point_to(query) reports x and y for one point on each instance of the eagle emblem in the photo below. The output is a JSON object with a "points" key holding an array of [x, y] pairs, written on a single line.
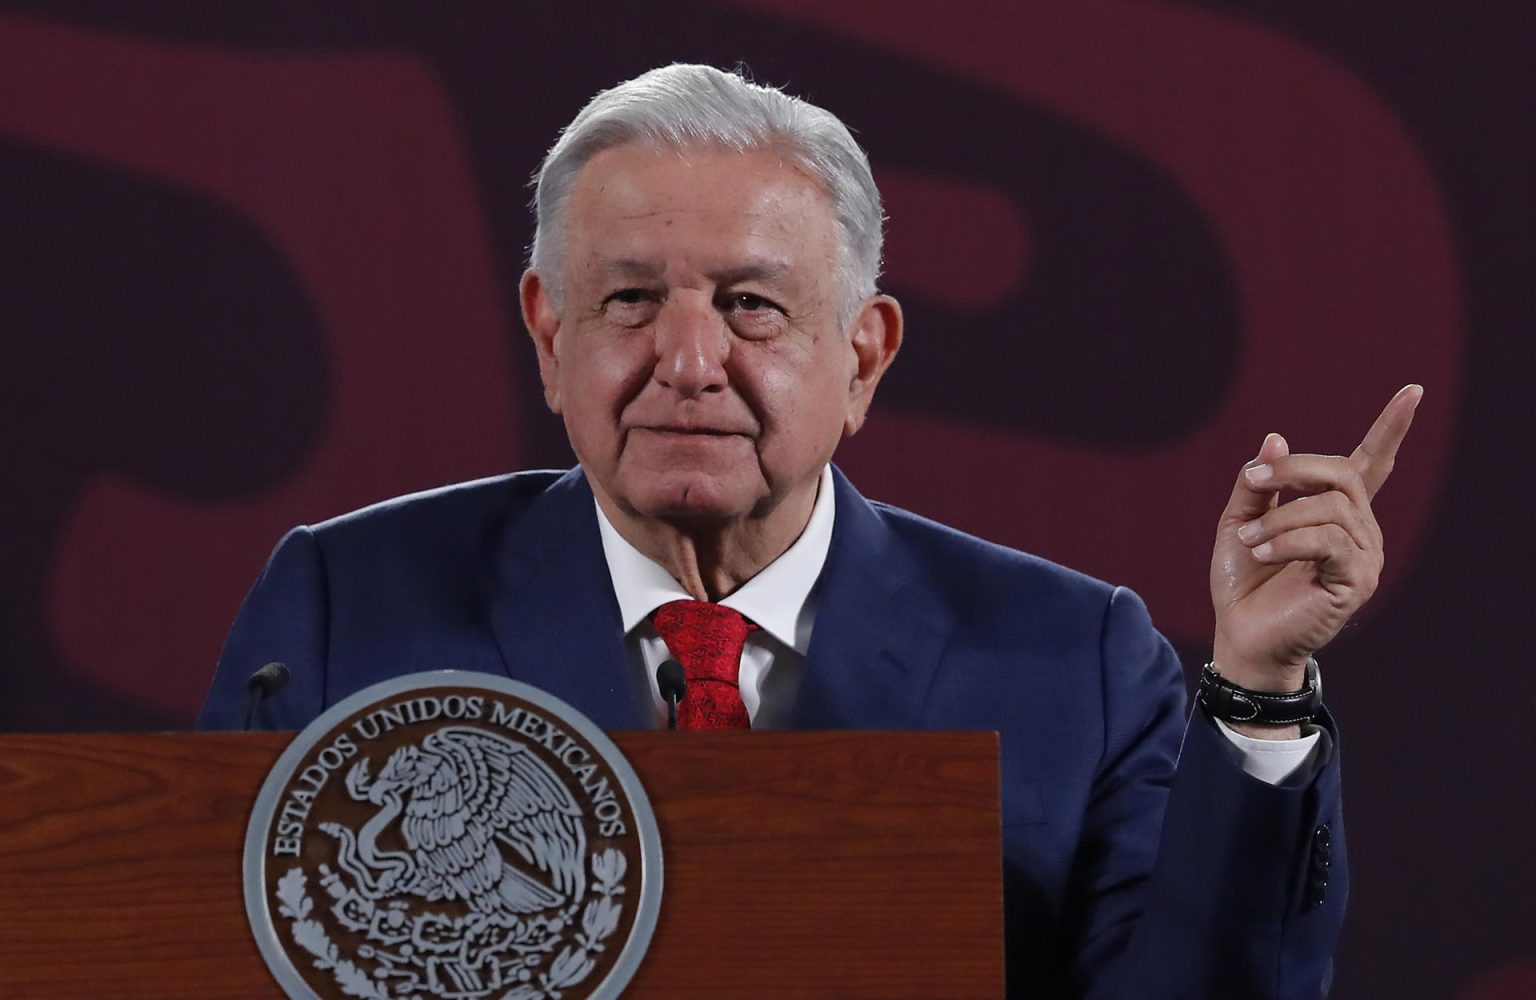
{"points": [[482, 820]]}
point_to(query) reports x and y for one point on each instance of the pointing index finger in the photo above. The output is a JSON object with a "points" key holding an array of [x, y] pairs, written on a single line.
{"points": [[1378, 451]]}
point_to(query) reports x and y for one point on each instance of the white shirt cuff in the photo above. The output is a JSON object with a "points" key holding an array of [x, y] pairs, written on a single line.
{"points": [[1273, 761]]}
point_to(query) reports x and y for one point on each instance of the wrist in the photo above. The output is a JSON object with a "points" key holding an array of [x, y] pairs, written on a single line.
{"points": [[1259, 674]]}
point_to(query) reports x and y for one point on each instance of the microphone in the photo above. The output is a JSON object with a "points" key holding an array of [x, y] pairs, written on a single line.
{"points": [[260, 686], [674, 688]]}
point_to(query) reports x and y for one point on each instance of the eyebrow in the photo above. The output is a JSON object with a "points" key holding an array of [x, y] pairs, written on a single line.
{"points": [[767, 270], [629, 267], [763, 270]]}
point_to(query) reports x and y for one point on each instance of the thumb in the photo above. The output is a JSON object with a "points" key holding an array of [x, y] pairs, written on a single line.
{"points": [[1249, 501]]}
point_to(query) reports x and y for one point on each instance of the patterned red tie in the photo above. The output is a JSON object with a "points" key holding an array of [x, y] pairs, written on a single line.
{"points": [[707, 640]]}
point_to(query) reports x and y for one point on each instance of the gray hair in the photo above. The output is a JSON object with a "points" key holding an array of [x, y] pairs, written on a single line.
{"points": [[689, 105]]}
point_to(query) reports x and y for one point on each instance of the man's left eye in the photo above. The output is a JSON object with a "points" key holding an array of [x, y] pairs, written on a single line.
{"points": [[747, 302]]}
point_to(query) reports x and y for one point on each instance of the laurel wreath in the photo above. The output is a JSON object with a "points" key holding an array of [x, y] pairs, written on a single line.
{"points": [[599, 919], [310, 935]]}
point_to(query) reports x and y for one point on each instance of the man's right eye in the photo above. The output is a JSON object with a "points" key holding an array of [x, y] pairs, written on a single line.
{"points": [[630, 307]]}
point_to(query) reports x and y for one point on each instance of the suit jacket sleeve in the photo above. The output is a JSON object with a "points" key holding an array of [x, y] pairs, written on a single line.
{"points": [[1202, 882], [284, 618]]}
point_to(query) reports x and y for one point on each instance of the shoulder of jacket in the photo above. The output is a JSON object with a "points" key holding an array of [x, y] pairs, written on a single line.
{"points": [[455, 507], [958, 552]]}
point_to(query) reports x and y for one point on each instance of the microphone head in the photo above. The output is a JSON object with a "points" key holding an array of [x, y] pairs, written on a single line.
{"points": [[269, 679], [672, 681]]}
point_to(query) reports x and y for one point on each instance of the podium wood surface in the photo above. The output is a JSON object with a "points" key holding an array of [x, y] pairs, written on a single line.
{"points": [[840, 864]]}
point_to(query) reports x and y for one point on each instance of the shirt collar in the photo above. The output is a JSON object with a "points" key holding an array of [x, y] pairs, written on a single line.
{"points": [[777, 598]]}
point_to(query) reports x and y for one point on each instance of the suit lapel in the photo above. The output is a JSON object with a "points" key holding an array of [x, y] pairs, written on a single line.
{"points": [[880, 627], [553, 611]]}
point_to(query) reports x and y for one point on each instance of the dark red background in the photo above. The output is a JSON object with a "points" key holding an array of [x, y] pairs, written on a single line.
{"points": [[260, 267]]}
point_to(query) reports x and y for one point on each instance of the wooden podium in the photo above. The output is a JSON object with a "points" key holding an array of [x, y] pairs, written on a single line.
{"points": [[844, 864]]}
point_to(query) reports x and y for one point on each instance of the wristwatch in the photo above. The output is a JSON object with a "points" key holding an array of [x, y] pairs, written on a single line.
{"points": [[1230, 703]]}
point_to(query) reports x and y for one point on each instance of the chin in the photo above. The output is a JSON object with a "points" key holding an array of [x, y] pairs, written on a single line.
{"points": [[694, 498]]}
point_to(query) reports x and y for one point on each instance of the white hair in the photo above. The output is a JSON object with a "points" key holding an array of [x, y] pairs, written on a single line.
{"points": [[685, 105]]}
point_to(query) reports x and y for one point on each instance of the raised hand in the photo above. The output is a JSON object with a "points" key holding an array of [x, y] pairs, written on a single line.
{"points": [[1286, 577]]}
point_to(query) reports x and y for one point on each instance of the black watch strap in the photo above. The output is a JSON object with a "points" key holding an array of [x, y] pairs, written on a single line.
{"points": [[1230, 703]]}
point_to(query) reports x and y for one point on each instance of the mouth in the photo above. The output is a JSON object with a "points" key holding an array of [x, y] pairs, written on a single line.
{"points": [[681, 431]]}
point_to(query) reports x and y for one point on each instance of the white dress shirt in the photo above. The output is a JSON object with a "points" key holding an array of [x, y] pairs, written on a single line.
{"points": [[781, 600]]}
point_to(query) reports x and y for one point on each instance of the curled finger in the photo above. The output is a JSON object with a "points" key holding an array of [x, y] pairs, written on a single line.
{"points": [[1332, 507], [1330, 548], [1310, 475]]}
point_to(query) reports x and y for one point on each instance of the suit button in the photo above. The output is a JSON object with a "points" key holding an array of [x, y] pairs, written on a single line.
{"points": [[1317, 883]]}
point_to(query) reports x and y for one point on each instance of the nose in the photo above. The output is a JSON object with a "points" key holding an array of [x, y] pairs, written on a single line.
{"points": [[692, 344]]}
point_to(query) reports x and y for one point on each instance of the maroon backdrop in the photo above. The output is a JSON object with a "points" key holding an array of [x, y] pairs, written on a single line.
{"points": [[260, 267]]}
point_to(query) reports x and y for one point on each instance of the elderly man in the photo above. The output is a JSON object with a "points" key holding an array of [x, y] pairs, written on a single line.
{"points": [[703, 301]]}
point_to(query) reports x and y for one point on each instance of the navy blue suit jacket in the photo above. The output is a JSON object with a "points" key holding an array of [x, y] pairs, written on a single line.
{"points": [[1133, 868]]}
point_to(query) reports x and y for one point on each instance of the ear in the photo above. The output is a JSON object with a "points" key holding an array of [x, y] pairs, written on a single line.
{"points": [[543, 324], [875, 337]]}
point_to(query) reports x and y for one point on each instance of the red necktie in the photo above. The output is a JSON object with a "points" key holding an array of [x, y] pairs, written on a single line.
{"points": [[707, 640]]}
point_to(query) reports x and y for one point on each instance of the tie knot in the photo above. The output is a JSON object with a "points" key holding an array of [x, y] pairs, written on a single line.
{"points": [[698, 632]]}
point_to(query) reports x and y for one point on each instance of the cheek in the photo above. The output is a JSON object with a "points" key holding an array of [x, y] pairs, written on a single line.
{"points": [[804, 405], [605, 373]]}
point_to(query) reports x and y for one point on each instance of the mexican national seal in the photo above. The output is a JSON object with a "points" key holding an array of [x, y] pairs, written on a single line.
{"points": [[452, 835]]}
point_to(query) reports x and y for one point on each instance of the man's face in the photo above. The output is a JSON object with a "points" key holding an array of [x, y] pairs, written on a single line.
{"points": [[697, 358]]}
